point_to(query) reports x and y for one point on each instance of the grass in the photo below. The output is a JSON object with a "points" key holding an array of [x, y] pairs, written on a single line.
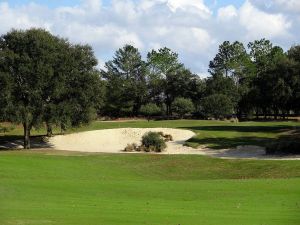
{"points": [[39, 188], [214, 134], [59, 188]]}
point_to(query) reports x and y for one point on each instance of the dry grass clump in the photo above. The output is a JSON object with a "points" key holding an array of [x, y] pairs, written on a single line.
{"points": [[131, 147]]}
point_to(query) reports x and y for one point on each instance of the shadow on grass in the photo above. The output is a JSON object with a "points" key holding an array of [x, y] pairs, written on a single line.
{"points": [[16, 142], [249, 129], [225, 143]]}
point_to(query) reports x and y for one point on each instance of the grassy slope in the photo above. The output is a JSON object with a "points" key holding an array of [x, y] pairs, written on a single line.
{"points": [[38, 188]]}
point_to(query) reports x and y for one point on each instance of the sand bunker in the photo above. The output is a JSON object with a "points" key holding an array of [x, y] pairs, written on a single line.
{"points": [[115, 140]]}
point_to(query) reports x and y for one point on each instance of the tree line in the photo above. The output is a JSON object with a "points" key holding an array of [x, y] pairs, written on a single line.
{"points": [[45, 79], [260, 80]]}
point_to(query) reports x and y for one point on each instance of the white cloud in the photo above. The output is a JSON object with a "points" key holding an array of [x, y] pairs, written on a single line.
{"points": [[93, 5], [188, 27], [227, 13], [291, 6], [197, 6], [260, 24], [23, 17]]}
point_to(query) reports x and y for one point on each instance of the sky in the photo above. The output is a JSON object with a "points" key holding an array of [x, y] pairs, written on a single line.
{"points": [[192, 28]]}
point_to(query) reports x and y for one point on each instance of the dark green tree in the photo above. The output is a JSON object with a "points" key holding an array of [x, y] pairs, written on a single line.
{"points": [[150, 110], [126, 82], [232, 62], [294, 77], [217, 106], [29, 57], [83, 89], [48, 80], [183, 106], [168, 78]]}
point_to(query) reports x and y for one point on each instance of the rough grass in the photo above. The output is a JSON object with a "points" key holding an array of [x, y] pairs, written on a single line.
{"points": [[37, 187]]}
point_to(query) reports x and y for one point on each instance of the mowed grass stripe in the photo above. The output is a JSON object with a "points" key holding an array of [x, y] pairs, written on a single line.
{"points": [[141, 189]]}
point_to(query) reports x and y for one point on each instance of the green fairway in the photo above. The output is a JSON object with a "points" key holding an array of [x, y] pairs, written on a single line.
{"points": [[53, 187], [41, 188]]}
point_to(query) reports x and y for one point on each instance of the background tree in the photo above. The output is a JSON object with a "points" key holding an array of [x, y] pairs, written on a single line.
{"points": [[217, 106], [270, 90], [150, 110], [183, 106], [168, 78], [126, 82], [231, 71], [294, 77]]}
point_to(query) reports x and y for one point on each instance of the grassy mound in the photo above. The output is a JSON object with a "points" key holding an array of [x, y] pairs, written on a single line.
{"points": [[40, 188]]}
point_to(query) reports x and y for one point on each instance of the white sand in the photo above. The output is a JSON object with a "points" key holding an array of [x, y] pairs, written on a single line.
{"points": [[115, 140]]}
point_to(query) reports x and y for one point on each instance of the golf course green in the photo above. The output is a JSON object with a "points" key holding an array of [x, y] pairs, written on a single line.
{"points": [[40, 187]]}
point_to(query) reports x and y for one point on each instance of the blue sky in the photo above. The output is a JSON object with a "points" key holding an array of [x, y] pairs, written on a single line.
{"points": [[50, 3], [192, 28]]}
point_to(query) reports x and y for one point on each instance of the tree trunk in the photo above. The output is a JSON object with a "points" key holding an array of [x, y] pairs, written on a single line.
{"points": [[256, 114], [275, 114], [26, 135], [168, 109], [265, 114], [62, 128], [49, 130]]}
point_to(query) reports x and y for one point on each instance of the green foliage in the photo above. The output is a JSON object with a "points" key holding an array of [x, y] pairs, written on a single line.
{"points": [[153, 141], [126, 82], [182, 106], [150, 109], [217, 106], [168, 78], [294, 77]]}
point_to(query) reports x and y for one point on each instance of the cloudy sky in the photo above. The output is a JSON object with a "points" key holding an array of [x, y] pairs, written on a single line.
{"points": [[193, 28]]}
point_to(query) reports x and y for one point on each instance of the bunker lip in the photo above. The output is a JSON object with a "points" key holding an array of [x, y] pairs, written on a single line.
{"points": [[115, 140]]}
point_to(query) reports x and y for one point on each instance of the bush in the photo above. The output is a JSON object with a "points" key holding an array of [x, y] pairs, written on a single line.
{"points": [[153, 142], [284, 147], [150, 110], [217, 106], [183, 106]]}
